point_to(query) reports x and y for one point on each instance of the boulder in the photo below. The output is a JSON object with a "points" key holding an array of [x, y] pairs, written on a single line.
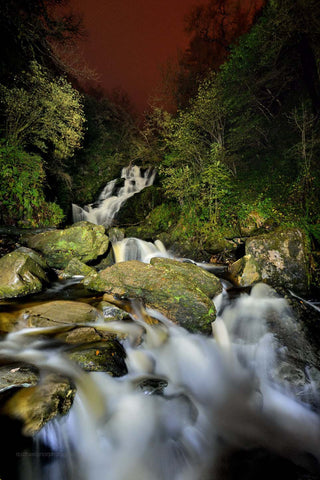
{"points": [[22, 272], [179, 291], [278, 258], [82, 240], [36, 405]]}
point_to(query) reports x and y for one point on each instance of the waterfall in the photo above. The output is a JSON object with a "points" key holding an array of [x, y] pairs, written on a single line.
{"points": [[187, 399], [135, 249], [103, 211]]}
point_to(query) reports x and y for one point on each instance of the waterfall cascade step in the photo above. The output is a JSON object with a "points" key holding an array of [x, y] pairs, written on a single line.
{"points": [[104, 210]]}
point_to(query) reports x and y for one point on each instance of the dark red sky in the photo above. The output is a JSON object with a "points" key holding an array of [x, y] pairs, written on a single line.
{"points": [[129, 40]]}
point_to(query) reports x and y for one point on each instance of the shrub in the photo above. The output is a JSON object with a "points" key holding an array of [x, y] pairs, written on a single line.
{"points": [[22, 200]]}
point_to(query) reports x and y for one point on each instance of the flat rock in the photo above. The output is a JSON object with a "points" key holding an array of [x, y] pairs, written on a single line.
{"points": [[58, 312]]}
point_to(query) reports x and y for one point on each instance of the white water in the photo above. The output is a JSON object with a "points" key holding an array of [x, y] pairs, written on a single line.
{"points": [[135, 249], [109, 202], [185, 400]]}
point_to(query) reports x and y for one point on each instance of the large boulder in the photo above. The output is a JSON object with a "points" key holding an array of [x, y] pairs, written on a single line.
{"points": [[82, 240], [22, 272], [278, 258], [179, 291]]}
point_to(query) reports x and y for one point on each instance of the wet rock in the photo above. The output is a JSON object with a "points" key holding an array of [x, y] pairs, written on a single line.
{"points": [[76, 267], [278, 258], [82, 335], [58, 312], [201, 279], [36, 405], [111, 312], [13, 376], [116, 234], [22, 272], [105, 356], [164, 287], [106, 261], [82, 240]]}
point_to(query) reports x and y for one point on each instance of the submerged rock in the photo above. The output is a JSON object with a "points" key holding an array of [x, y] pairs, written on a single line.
{"points": [[22, 272], [82, 240], [179, 291], [278, 258]]}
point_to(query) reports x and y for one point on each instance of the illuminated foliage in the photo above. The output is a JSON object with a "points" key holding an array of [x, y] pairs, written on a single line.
{"points": [[22, 199], [44, 114]]}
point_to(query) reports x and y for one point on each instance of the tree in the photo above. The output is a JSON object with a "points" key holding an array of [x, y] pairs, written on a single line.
{"points": [[213, 28], [28, 28], [305, 152], [43, 114]]}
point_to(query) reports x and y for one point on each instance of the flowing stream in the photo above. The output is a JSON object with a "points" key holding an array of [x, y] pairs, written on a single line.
{"points": [[186, 402], [189, 403], [111, 199]]}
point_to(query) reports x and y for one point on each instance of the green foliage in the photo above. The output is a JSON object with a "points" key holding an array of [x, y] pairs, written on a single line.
{"points": [[22, 199], [243, 156], [43, 113]]}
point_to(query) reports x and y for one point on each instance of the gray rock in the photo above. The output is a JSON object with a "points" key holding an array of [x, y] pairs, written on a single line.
{"points": [[278, 258]]}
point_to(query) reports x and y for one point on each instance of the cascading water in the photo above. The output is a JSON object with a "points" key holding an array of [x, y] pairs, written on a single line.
{"points": [[135, 249], [186, 400], [103, 211]]}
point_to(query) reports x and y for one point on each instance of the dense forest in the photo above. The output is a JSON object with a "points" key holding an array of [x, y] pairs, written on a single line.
{"points": [[239, 153]]}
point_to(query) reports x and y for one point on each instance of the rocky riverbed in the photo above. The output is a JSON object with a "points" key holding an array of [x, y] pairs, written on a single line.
{"points": [[181, 291]]}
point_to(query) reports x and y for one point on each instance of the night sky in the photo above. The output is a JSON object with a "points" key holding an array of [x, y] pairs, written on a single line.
{"points": [[129, 40]]}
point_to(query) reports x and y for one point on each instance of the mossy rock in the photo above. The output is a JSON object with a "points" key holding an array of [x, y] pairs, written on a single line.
{"points": [[164, 287], [75, 267], [82, 240], [107, 356], [203, 280], [22, 272]]}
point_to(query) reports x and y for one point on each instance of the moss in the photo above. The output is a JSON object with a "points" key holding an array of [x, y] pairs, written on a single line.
{"points": [[167, 289], [82, 240]]}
